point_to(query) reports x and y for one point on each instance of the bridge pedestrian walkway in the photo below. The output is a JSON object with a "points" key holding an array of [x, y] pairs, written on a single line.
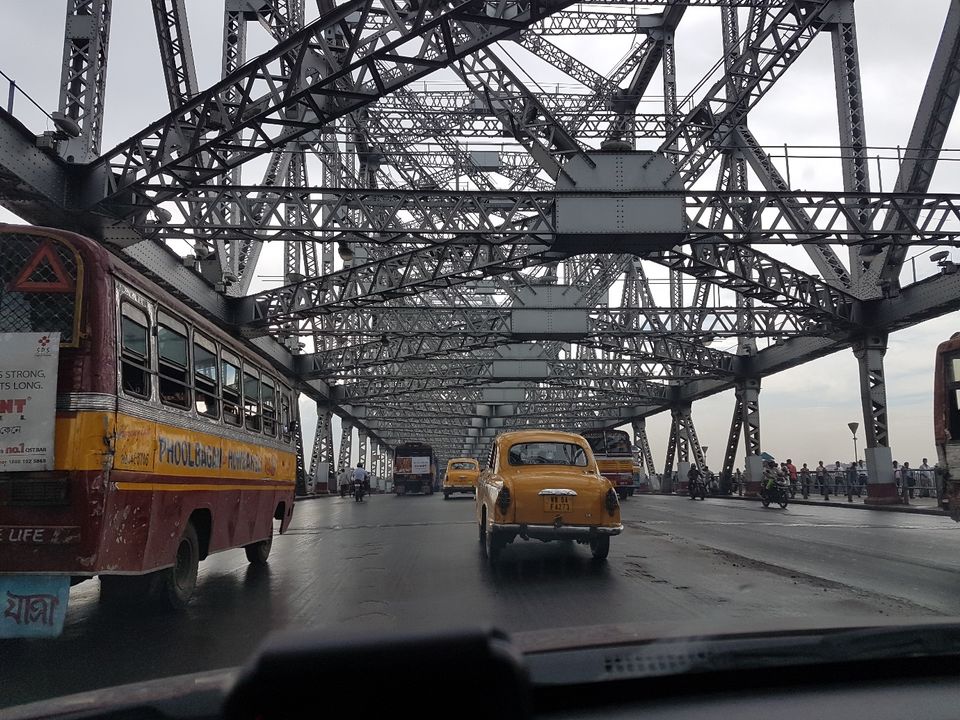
{"points": [[920, 506]]}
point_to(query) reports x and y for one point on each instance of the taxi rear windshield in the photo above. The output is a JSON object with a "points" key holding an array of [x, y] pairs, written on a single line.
{"points": [[464, 466], [547, 453]]}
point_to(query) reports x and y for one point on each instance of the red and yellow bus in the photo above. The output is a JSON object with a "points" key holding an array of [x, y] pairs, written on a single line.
{"points": [[172, 439], [946, 422], [614, 454]]}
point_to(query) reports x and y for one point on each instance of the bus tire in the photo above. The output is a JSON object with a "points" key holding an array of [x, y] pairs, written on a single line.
{"points": [[258, 552], [178, 582]]}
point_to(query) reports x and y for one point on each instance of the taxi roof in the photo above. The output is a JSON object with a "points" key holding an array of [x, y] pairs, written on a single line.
{"points": [[542, 435], [463, 459]]}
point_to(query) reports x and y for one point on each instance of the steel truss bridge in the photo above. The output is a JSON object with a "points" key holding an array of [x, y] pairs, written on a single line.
{"points": [[467, 248]]}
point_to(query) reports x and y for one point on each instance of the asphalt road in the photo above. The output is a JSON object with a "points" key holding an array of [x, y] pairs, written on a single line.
{"points": [[415, 562]]}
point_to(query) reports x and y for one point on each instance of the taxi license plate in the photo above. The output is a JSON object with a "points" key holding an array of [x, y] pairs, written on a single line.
{"points": [[557, 504], [35, 605]]}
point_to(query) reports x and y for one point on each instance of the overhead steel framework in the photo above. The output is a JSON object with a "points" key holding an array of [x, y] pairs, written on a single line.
{"points": [[486, 229]]}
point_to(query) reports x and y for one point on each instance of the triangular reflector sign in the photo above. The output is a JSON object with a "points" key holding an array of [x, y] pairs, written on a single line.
{"points": [[43, 273]]}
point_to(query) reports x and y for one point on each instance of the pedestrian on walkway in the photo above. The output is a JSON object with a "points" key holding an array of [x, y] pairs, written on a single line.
{"points": [[823, 480], [898, 477], [805, 481], [908, 480], [792, 473], [738, 479], [852, 481], [926, 479], [861, 478], [837, 477]]}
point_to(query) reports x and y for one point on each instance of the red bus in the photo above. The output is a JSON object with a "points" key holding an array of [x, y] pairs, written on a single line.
{"points": [[171, 439], [946, 422]]}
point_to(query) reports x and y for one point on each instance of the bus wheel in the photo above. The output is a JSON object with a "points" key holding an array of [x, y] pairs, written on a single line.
{"points": [[177, 583], [258, 552]]}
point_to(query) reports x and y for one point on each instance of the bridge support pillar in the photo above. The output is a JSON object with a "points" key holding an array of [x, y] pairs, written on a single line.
{"points": [[346, 449], [683, 442], [645, 457], [748, 400], [881, 487], [320, 466]]}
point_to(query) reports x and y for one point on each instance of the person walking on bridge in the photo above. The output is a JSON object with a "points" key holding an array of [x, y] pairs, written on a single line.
{"points": [[792, 472], [805, 481], [822, 480], [908, 480]]}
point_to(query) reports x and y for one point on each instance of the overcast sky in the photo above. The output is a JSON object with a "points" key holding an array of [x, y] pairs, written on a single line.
{"points": [[804, 411]]}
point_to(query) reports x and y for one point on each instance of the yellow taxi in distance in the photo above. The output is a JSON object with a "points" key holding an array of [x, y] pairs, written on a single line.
{"points": [[461, 477], [545, 485]]}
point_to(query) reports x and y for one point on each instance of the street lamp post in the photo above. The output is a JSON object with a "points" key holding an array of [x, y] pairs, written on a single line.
{"points": [[853, 429]]}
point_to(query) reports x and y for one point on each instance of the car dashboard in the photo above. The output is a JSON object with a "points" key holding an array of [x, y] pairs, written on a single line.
{"points": [[875, 671]]}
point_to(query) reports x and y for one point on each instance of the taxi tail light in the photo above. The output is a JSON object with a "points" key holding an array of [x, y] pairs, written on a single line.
{"points": [[612, 501], [503, 500]]}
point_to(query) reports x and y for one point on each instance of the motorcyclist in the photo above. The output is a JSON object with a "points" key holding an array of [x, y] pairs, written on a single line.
{"points": [[769, 476], [693, 475], [360, 475]]}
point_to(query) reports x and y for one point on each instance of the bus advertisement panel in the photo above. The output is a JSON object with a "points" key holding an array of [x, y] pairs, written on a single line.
{"points": [[28, 399]]}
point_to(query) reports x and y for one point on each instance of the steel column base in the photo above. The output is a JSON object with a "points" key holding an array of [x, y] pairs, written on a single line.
{"points": [[751, 488], [881, 487], [882, 494]]}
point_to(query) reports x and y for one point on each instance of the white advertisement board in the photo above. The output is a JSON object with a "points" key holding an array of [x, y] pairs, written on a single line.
{"points": [[420, 465], [28, 400]]}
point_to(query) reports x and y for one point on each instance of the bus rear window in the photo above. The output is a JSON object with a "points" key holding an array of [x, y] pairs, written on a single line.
{"points": [[38, 286]]}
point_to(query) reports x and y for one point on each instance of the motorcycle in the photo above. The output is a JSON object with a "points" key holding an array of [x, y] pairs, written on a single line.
{"points": [[698, 488], [358, 490], [779, 493]]}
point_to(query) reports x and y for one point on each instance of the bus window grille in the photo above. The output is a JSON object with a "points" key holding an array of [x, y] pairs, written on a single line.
{"points": [[36, 296]]}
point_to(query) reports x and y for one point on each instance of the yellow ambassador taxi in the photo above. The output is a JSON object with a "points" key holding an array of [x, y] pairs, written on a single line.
{"points": [[461, 477], [545, 485]]}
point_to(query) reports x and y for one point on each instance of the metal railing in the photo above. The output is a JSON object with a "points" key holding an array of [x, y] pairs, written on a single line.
{"points": [[923, 483]]}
